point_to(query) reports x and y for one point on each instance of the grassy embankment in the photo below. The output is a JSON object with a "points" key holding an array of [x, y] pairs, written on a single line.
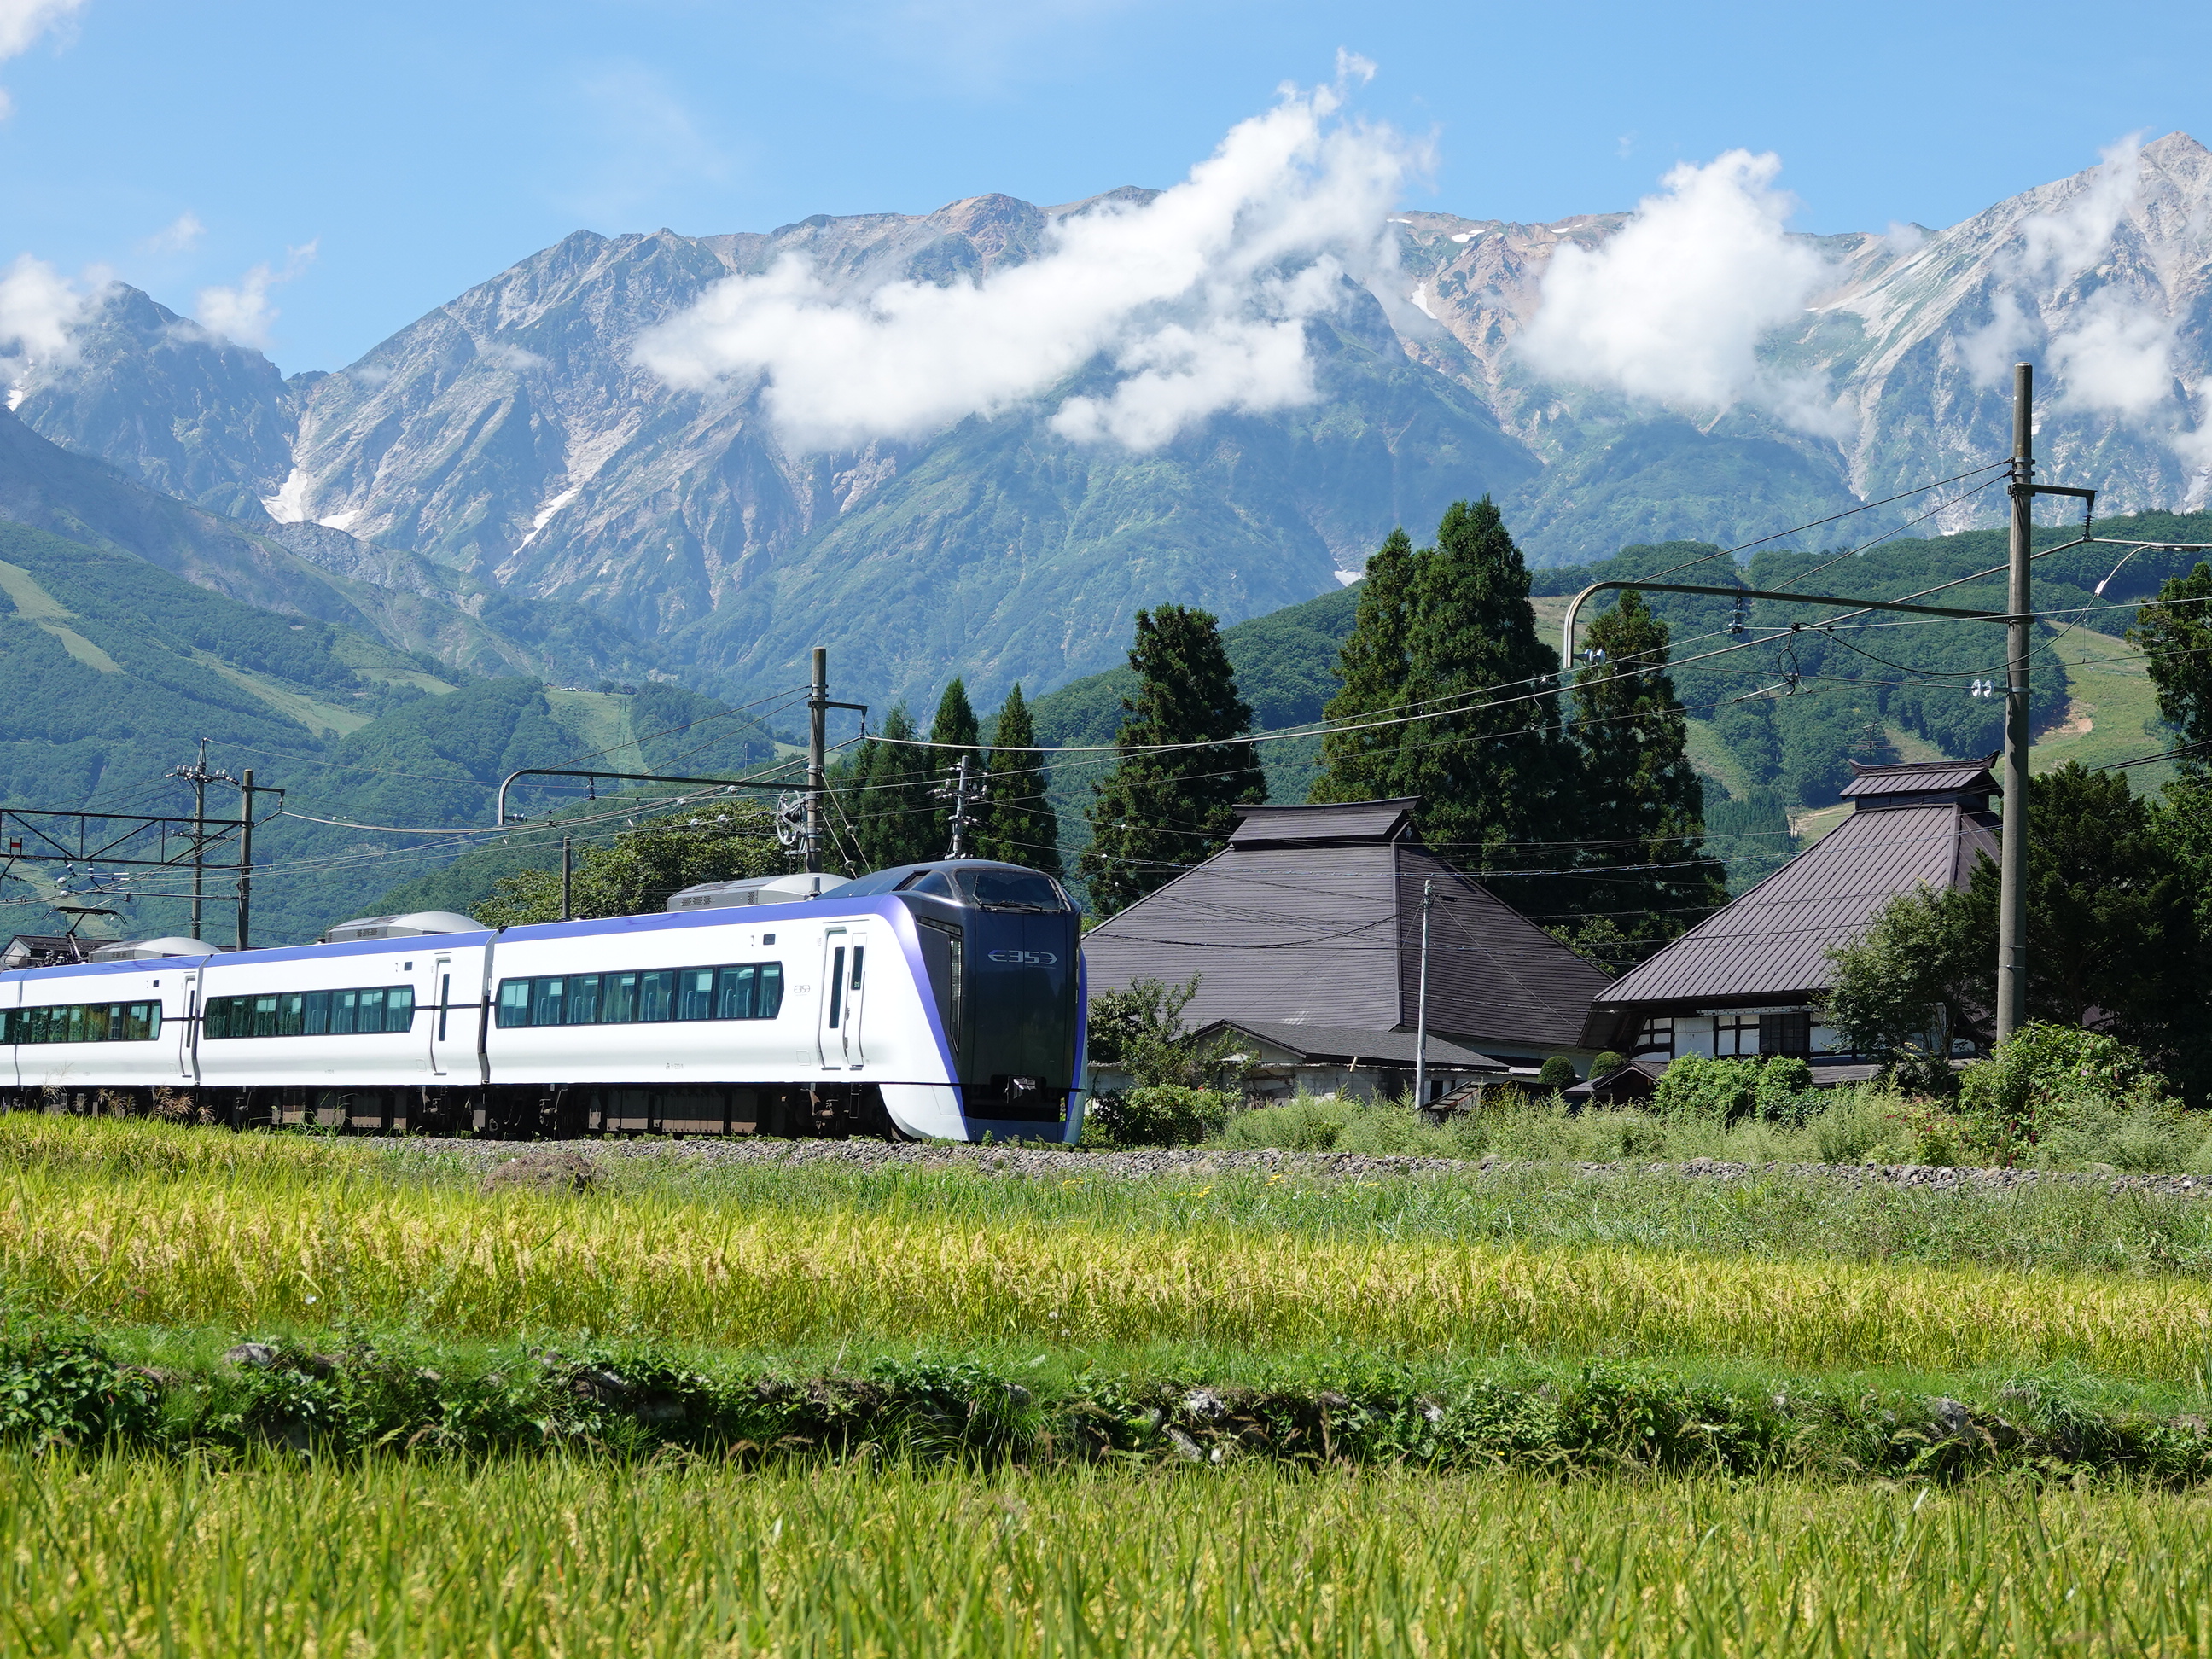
{"points": [[1479, 1342]]}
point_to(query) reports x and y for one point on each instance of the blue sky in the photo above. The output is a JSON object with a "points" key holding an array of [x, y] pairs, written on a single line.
{"points": [[417, 148]]}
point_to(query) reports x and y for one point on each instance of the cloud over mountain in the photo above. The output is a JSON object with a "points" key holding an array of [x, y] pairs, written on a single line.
{"points": [[1197, 299]]}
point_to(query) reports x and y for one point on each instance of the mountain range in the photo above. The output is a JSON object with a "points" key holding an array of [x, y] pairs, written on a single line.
{"points": [[505, 483], [504, 499]]}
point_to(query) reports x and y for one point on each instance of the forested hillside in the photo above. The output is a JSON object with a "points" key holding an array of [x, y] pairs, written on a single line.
{"points": [[1776, 722], [111, 671]]}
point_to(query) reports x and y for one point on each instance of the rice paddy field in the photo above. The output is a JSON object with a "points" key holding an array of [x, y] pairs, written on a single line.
{"points": [[290, 1395]]}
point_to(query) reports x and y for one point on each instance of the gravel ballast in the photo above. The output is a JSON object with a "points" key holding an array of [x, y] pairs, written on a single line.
{"points": [[548, 1165]]}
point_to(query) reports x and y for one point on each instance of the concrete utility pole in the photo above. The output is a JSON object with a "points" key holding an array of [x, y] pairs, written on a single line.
{"points": [[245, 859], [956, 790], [817, 756], [2012, 867], [1421, 1007], [568, 907], [199, 834]]}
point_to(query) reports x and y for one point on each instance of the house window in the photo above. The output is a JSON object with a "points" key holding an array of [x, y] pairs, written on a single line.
{"points": [[1656, 1038], [1786, 1034], [1736, 1034]]}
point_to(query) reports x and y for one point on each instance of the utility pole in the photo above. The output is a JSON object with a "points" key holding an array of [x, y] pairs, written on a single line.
{"points": [[817, 756], [568, 907], [245, 859], [2012, 867], [1421, 1007], [199, 834], [955, 790]]}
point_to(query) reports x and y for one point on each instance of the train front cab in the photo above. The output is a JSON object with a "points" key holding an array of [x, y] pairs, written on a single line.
{"points": [[999, 950]]}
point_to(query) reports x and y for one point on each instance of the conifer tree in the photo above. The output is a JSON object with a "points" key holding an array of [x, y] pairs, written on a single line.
{"points": [[1639, 800], [1019, 826], [1491, 768], [1360, 764], [1160, 811], [893, 819], [958, 735]]}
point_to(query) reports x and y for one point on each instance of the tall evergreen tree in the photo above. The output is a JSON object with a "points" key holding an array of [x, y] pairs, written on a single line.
{"points": [[1492, 768], [1160, 810], [1360, 763], [1640, 807], [958, 736], [1019, 826], [895, 819]]}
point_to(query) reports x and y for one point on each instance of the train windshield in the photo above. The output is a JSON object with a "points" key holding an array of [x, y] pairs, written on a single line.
{"points": [[1012, 889]]}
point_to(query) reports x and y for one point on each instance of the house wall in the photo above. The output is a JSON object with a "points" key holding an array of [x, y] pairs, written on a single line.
{"points": [[1700, 1034]]}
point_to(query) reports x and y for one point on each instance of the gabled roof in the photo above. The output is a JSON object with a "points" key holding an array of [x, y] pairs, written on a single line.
{"points": [[1315, 921], [1773, 942], [1971, 781], [1337, 825], [1331, 1042]]}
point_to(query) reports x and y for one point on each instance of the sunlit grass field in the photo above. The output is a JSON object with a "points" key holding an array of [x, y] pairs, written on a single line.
{"points": [[173, 1243], [114, 1557]]}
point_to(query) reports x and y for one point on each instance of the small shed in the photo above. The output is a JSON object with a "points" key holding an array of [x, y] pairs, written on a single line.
{"points": [[1749, 979], [40, 951], [1282, 1059], [1311, 917]]}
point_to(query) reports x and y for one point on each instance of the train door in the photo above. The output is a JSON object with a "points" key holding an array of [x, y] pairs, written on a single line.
{"points": [[13, 999], [188, 1032], [856, 985], [442, 1035], [829, 1029]]}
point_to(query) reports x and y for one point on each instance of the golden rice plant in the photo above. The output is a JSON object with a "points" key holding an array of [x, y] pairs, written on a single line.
{"points": [[255, 1248]]}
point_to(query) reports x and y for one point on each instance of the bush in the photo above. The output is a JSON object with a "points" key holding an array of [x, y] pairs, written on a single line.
{"points": [[1852, 1125], [1556, 1073], [1165, 1115], [2051, 1080], [1697, 1086], [1607, 1063]]}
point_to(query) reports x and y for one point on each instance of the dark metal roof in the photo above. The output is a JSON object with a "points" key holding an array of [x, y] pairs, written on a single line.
{"points": [[1774, 941], [1334, 824], [1329, 934], [1922, 778], [1330, 1042]]}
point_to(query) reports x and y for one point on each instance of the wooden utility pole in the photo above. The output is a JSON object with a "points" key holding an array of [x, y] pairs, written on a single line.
{"points": [[2011, 867]]}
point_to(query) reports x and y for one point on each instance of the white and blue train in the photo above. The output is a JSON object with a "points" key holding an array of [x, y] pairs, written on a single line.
{"points": [[942, 1000]]}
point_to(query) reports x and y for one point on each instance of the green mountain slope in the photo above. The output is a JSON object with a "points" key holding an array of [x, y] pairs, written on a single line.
{"points": [[112, 672]]}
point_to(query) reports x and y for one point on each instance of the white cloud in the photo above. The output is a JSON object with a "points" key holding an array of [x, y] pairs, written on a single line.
{"points": [[38, 307], [2060, 245], [1198, 299], [1673, 306], [22, 23], [500, 355], [178, 236], [2116, 357], [242, 314]]}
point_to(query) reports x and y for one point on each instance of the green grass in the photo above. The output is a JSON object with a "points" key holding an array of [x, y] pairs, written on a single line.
{"points": [[125, 1557]]}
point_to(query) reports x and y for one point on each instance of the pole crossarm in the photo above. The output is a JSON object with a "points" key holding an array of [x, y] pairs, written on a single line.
{"points": [[1567, 630], [781, 785], [52, 844]]}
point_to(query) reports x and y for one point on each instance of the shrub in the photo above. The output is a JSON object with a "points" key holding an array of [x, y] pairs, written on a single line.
{"points": [[1607, 1063], [1164, 1115], [2050, 1078], [1783, 1093], [1852, 1125], [1556, 1073], [1697, 1086]]}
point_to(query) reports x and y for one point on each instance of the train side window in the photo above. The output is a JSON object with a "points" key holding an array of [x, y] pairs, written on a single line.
{"points": [[735, 989], [583, 998], [345, 1012], [105, 1022], [514, 1002], [836, 985], [400, 1008], [859, 952], [695, 993], [548, 1000], [618, 1000], [655, 993]]}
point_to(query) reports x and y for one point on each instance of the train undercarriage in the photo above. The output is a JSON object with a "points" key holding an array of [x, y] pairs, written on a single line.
{"points": [[500, 1112]]}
